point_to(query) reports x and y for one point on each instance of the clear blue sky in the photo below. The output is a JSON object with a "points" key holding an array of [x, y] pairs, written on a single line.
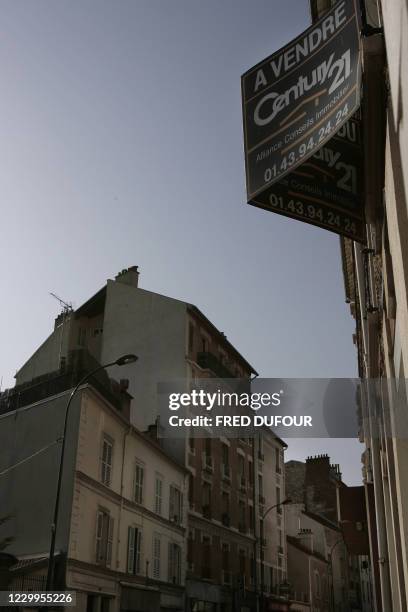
{"points": [[122, 144]]}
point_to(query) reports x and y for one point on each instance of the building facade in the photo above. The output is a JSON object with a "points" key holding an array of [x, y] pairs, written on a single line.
{"points": [[376, 288], [232, 482], [328, 518], [308, 564], [121, 532]]}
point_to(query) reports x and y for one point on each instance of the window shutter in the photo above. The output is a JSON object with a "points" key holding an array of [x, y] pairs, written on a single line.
{"points": [[156, 557], [99, 532], [109, 541], [171, 504], [177, 563], [131, 550], [109, 463], [159, 494], [171, 562], [138, 550]]}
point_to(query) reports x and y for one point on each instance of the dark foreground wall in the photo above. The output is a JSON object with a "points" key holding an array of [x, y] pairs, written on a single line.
{"points": [[27, 492]]}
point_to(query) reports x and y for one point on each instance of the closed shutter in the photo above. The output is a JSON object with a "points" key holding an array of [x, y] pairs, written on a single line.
{"points": [[156, 557], [138, 550], [99, 534], [131, 550], [171, 504], [109, 541], [171, 562]]}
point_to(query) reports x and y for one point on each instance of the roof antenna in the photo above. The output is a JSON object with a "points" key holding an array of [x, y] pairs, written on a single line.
{"points": [[66, 306]]}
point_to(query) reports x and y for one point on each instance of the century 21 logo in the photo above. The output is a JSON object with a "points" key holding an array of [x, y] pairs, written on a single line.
{"points": [[339, 70]]}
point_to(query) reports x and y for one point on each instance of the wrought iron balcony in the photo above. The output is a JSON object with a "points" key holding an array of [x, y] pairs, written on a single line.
{"points": [[209, 361]]}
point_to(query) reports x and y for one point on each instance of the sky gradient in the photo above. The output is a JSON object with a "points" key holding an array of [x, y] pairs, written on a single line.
{"points": [[122, 145]]}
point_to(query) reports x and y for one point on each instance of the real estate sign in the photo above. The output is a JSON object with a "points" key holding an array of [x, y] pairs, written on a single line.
{"points": [[326, 189], [294, 103]]}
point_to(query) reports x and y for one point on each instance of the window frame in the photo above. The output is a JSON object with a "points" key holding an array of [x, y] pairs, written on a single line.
{"points": [[138, 487], [106, 468]]}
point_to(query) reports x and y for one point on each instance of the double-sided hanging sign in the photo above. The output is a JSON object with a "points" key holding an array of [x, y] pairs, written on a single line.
{"points": [[302, 154]]}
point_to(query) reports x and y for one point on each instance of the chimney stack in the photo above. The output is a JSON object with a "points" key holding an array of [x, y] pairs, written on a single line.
{"points": [[129, 276]]}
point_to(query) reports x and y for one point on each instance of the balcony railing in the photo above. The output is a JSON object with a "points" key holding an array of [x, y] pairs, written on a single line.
{"points": [[79, 363], [208, 361]]}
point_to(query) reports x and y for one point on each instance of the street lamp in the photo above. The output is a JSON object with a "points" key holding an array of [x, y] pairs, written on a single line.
{"points": [[121, 361], [285, 502]]}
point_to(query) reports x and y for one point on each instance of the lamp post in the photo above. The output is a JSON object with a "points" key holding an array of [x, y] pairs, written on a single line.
{"points": [[261, 537], [121, 361]]}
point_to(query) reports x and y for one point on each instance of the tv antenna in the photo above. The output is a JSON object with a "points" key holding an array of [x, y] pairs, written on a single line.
{"points": [[66, 306]]}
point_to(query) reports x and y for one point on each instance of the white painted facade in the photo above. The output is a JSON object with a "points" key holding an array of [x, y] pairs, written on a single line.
{"points": [[130, 501]]}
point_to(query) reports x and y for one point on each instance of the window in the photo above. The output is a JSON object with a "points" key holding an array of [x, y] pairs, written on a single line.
{"points": [[242, 561], [190, 338], [104, 538], [106, 460], [242, 517], [191, 445], [156, 557], [271, 583], [260, 449], [174, 563], [252, 575], [225, 562], [241, 469], [158, 501], [91, 603], [206, 557], [251, 473], [225, 556], [82, 336], [207, 450], [278, 460], [105, 604], [139, 478], [191, 490], [225, 502], [206, 499], [175, 505], [134, 547], [225, 459], [251, 518], [317, 584]]}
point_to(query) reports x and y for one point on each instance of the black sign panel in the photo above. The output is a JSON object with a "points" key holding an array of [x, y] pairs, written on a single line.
{"points": [[326, 189], [297, 99]]}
